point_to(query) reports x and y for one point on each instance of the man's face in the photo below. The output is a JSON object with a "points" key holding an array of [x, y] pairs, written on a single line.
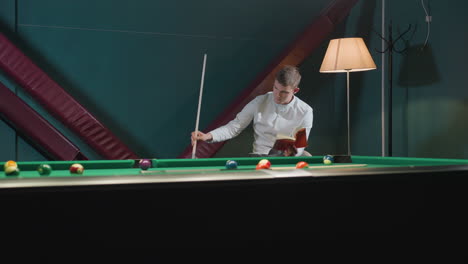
{"points": [[283, 94]]}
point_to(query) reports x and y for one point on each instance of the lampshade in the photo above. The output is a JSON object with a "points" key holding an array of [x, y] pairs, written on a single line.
{"points": [[347, 55]]}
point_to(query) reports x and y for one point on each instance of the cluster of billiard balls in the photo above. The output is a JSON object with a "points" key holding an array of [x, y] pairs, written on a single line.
{"points": [[46, 169], [263, 164], [11, 168], [266, 164]]}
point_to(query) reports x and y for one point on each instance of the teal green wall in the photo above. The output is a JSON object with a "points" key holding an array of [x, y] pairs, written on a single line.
{"points": [[429, 85], [431, 116], [136, 65]]}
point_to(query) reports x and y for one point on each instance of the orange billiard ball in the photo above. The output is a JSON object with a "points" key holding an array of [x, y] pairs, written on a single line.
{"points": [[10, 163], [11, 168], [302, 164]]}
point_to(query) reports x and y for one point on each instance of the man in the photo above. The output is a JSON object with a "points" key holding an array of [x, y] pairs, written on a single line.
{"points": [[273, 113]]}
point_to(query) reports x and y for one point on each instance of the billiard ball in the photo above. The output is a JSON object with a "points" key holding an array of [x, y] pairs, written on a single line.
{"points": [[11, 168], [10, 164], [145, 164], [231, 164], [263, 164], [76, 168], [328, 159], [44, 169], [302, 164]]}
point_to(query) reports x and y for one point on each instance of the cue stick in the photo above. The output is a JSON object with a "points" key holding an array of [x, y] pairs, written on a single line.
{"points": [[194, 149]]}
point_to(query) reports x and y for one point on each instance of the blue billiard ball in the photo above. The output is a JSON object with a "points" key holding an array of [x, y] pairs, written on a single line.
{"points": [[328, 159], [231, 164]]}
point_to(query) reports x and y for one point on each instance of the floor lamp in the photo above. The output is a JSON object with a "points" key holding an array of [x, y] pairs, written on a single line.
{"points": [[347, 55]]}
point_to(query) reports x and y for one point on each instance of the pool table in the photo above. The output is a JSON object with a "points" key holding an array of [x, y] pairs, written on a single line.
{"points": [[414, 204], [125, 172]]}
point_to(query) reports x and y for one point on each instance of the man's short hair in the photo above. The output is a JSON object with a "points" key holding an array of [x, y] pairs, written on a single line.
{"points": [[289, 76]]}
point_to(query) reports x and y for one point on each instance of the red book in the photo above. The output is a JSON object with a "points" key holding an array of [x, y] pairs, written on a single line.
{"points": [[287, 146]]}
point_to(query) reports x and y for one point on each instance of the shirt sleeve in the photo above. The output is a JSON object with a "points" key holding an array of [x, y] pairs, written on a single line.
{"points": [[235, 126], [307, 124]]}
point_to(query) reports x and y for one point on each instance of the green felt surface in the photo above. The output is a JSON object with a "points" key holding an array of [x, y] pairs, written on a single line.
{"points": [[201, 166]]}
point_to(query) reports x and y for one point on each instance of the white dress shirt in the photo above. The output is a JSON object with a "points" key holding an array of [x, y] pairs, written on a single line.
{"points": [[269, 119]]}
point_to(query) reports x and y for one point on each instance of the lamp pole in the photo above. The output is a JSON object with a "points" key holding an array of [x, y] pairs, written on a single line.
{"points": [[347, 103]]}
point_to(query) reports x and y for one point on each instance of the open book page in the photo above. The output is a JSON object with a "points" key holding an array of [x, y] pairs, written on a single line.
{"points": [[287, 146]]}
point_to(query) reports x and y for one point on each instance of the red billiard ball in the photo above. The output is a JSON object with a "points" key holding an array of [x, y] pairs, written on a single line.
{"points": [[76, 168], [145, 164], [302, 164], [263, 164]]}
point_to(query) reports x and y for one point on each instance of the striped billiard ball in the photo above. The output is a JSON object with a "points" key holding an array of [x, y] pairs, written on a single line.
{"points": [[328, 159], [263, 164], [76, 168], [11, 168], [144, 164]]}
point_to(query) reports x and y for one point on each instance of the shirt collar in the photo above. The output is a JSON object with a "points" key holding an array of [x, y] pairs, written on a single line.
{"points": [[284, 107]]}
